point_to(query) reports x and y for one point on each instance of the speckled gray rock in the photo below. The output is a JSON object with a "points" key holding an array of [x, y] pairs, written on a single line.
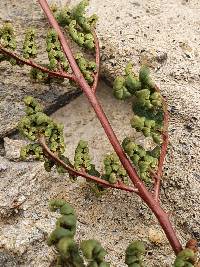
{"points": [[15, 82], [7, 259], [165, 36], [12, 148]]}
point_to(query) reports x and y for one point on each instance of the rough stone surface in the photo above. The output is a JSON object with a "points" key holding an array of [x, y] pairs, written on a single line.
{"points": [[164, 35], [7, 259], [12, 148]]}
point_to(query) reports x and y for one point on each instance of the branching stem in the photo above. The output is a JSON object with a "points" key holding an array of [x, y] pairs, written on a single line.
{"points": [[31, 63], [163, 149], [119, 185], [97, 53], [142, 190]]}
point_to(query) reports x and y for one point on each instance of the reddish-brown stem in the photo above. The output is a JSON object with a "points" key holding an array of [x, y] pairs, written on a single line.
{"points": [[37, 66], [97, 59], [153, 174], [163, 152], [119, 185], [142, 190]]}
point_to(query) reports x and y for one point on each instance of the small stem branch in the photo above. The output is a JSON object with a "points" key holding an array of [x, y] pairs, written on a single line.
{"points": [[153, 174], [163, 152], [37, 66], [119, 185], [142, 190], [97, 59]]}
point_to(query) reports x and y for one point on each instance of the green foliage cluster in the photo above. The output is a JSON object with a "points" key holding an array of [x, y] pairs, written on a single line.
{"points": [[32, 149], [147, 104], [35, 124], [82, 157], [62, 14], [120, 90], [63, 236], [87, 67], [7, 36], [78, 25], [94, 253], [79, 28], [69, 252], [82, 39], [134, 253], [147, 127], [7, 39], [148, 116], [78, 13], [126, 86], [29, 46], [57, 59], [143, 160], [113, 169], [185, 258], [148, 100]]}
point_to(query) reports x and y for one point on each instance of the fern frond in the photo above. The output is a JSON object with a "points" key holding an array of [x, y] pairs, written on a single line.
{"points": [[29, 46], [57, 59], [8, 40]]}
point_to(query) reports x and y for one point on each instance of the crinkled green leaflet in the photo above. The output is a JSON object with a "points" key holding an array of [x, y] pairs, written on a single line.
{"points": [[87, 67], [143, 160], [113, 169], [134, 254], [82, 158], [185, 258], [29, 46], [55, 54], [8, 40]]}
